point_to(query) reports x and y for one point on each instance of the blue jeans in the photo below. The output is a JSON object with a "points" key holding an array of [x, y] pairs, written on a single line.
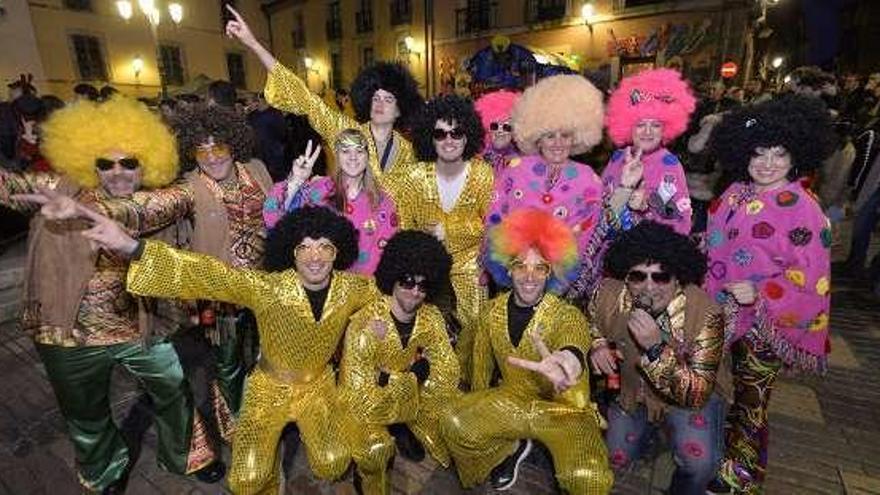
{"points": [[863, 226], [697, 438]]}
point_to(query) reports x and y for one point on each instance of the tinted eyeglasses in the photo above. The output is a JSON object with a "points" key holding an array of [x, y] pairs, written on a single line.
{"points": [[409, 282], [324, 251], [497, 126], [221, 151], [105, 164], [638, 276], [455, 133], [520, 269]]}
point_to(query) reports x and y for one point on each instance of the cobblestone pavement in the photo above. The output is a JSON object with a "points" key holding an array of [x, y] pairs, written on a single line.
{"points": [[825, 432]]}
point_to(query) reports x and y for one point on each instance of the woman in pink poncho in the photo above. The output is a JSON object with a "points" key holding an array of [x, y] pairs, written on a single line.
{"points": [[558, 117], [353, 191], [768, 245]]}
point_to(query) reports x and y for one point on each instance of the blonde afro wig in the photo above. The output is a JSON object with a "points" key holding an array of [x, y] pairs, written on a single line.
{"points": [[75, 136], [566, 103]]}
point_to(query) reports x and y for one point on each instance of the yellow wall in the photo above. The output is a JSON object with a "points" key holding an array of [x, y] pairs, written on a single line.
{"points": [[17, 31], [202, 43]]}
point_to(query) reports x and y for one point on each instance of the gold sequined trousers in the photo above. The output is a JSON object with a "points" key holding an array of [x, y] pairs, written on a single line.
{"points": [[484, 428], [269, 404], [470, 296]]}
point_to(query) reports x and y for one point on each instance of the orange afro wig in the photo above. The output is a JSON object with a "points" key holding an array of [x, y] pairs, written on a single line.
{"points": [[530, 228]]}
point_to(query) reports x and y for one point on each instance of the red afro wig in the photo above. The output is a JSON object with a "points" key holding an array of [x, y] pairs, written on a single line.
{"points": [[660, 94], [532, 228], [495, 107]]}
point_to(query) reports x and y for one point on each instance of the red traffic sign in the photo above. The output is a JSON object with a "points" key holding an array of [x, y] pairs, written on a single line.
{"points": [[728, 70]]}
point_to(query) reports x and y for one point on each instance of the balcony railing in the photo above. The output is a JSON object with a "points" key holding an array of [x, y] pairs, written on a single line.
{"points": [[401, 12], [477, 17], [363, 21], [334, 29], [545, 10]]}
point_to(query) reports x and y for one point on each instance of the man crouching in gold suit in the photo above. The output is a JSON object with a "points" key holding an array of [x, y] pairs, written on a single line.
{"points": [[543, 383], [399, 373], [302, 305]]}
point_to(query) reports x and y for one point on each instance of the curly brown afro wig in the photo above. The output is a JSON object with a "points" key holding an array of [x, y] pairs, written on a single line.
{"points": [[454, 110], [193, 125], [314, 222], [411, 252], [651, 242], [394, 78], [800, 124]]}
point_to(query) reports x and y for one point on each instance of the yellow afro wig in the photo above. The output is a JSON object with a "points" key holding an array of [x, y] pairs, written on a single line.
{"points": [[566, 103], [75, 136]]}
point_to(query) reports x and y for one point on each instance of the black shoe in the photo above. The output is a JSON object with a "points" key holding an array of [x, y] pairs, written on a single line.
{"points": [[503, 476], [407, 443], [212, 473]]}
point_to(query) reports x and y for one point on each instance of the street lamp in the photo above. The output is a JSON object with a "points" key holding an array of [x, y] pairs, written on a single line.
{"points": [[154, 16], [777, 62], [588, 11], [137, 65], [125, 9]]}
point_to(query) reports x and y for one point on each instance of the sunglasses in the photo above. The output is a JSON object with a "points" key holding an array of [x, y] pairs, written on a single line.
{"points": [[217, 150], [323, 251], [105, 164], [638, 276], [455, 133], [520, 269], [409, 282], [495, 126]]}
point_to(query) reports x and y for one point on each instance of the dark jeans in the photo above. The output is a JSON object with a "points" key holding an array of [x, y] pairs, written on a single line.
{"points": [[863, 226]]}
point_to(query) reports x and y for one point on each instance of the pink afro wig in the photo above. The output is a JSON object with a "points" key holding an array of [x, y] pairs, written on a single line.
{"points": [[660, 94], [527, 228], [495, 107]]}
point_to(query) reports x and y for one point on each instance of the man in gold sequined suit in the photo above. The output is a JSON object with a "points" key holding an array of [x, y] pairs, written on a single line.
{"points": [[385, 97], [399, 372], [83, 321], [532, 344], [669, 335], [448, 195], [302, 305]]}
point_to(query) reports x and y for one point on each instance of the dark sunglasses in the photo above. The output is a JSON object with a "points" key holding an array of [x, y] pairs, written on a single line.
{"points": [[105, 164], [455, 133], [409, 282], [494, 126], [638, 276]]}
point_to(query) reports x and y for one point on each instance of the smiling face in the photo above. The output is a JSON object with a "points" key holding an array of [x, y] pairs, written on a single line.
{"points": [[215, 159], [352, 160], [501, 133], [769, 167], [555, 146], [120, 174], [409, 294], [314, 262], [647, 135], [384, 109], [449, 141], [529, 274], [652, 285]]}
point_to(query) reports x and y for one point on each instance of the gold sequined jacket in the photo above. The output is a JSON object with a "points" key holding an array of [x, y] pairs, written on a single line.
{"points": [[692, 364], [401, 400], [294, 346], [286, 91]]}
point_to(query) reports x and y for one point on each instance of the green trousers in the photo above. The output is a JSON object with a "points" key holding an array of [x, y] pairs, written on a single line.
{"points": [[80, 377]]}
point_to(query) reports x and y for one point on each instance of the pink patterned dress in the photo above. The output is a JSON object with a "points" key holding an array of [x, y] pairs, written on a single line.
{"points": [[375, 225], [780, 241]]}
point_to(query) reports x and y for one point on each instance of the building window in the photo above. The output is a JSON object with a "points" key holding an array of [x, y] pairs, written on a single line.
{"points": [[336, 69], [299, 31], [401, 12], [641, 3], [172, 65], [78, 4], [235, 68], [89, 57], [334, 21], [363, 18], [479, 15], [367, 56], [545, 10], [225, 14]]}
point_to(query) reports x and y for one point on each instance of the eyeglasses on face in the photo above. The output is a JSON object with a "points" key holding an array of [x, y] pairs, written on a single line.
{"points": [[520, 269], [218, 150], [495, 126], [455, 133], [638, 276], [323, 251], [128, 163], [409, 282]]}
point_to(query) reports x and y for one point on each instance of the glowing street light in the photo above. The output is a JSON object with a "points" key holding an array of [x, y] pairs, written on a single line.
{"points": [[137, 65], [777, 62], [309, 62], [588, 11], [125, 9], [146, 6], [175, 11]]}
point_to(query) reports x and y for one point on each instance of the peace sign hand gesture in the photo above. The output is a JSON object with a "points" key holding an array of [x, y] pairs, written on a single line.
{"points": [[633, 168], [54, 205], [562, 368], [301, 169]]}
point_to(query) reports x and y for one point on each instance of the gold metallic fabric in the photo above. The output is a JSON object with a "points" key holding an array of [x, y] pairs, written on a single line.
{"points": [[402, 400], [485, 425], [419, 208]]}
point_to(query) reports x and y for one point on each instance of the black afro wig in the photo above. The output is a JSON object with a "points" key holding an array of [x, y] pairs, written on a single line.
{"points": [[394, 78], [411, 252], [314, 222], [800, 124], [651, 242], [454, 110], [193, 124]]}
